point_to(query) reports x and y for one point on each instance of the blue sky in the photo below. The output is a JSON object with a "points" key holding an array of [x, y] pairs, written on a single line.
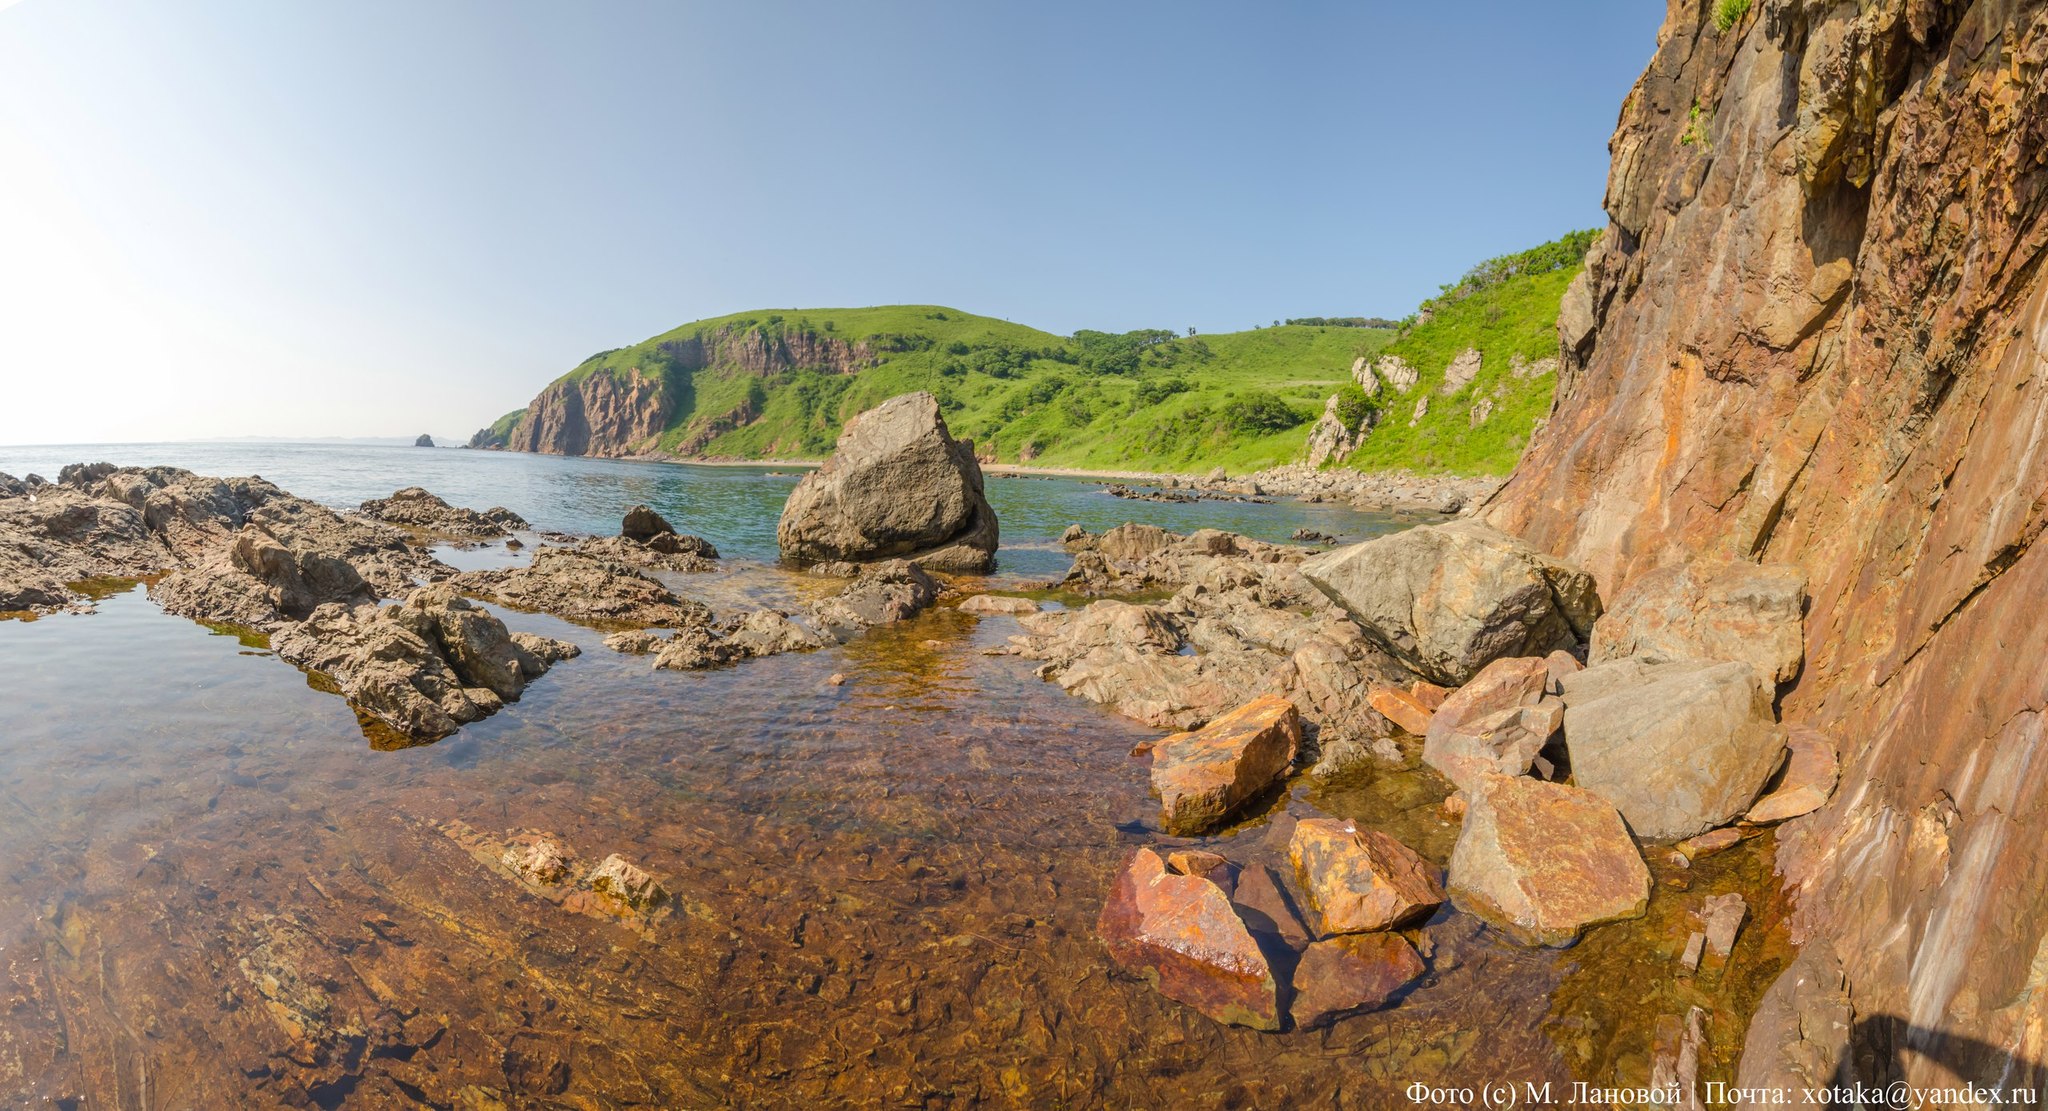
{"points": [[226, 217]]}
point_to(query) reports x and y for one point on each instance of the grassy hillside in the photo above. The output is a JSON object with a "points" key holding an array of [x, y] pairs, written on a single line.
{"points": [[1143, 400], [1515, 319]]}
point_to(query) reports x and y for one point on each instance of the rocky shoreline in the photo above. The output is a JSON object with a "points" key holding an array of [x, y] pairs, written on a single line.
{"points": [[1570, 739]]}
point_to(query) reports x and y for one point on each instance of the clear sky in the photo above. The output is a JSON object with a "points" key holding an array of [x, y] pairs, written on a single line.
{"points": [[360, 217]]}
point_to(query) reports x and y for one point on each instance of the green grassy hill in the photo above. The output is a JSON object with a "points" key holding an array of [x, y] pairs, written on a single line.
{"points": [[1506, 309], [778, 384]]}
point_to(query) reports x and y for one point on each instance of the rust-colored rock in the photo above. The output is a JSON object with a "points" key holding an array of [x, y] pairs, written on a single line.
{"points": [[1427, 694], [1707, 844], [1543, 861], [1346, 975], [1361, 880], [1805, 784], [1814, 335], [1181, 933], [1202, 777], [1401, 708], [1498, 722]]}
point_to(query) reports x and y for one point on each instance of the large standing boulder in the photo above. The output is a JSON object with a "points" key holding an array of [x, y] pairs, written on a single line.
{"points": [[1679, 747], [1361, 880], [897, 486], [1204, 776], [1710, 610], [1543, 861], [1498, 722], [1448, 599], [1182, 934]]}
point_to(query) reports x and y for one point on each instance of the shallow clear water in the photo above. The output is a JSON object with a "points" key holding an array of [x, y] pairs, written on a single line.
{"points": [[215, 893], [733, 507]]}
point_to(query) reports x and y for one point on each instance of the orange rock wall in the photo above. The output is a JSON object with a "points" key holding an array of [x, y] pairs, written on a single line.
{"points": [[1813, 332]]}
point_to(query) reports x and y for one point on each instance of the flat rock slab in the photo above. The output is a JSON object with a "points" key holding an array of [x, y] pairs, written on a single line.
{"points": [[1203, 777], [1361, 880], [1346, 975], [1811, 769], [1722, 919], [1543, 861], [989, 604], [1680, 748], [1182, 934], [1401, 708], [1447, 600], [1498, 722], [1710, 610]]}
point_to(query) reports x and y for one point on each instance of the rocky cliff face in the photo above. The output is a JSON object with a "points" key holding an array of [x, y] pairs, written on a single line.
{"points": [[1814, 332], [598, 414], [612, 414]]}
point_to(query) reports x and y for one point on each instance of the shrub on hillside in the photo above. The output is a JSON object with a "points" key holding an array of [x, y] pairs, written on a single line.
{"points": [[1355, 408], [1258, 412]]}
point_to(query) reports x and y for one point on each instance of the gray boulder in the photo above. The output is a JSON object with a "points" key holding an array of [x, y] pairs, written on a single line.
{"points": [[898, 486], [1449, 599], [1678, 747], [1710, 610]]}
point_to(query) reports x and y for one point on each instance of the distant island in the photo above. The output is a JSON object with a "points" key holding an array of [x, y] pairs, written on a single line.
{"points": [[424, 441]]}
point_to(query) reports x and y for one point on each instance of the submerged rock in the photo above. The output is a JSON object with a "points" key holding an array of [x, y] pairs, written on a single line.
{"points": [[1181, 933], [988, 604], [1448, 599], [1361, 880], [426, 666], [1347, 975], [1543, 861], [1204, 776], [1709, 610], [897, 486], [1679, 747], [881, 594], [1496, 723]]}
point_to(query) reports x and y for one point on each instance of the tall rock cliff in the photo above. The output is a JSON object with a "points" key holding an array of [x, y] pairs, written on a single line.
{"points": [[1814, 332], [614, 410]]}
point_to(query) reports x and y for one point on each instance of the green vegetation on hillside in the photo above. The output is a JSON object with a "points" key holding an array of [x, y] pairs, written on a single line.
{"points": [[773, 384], [1505, 309]]}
